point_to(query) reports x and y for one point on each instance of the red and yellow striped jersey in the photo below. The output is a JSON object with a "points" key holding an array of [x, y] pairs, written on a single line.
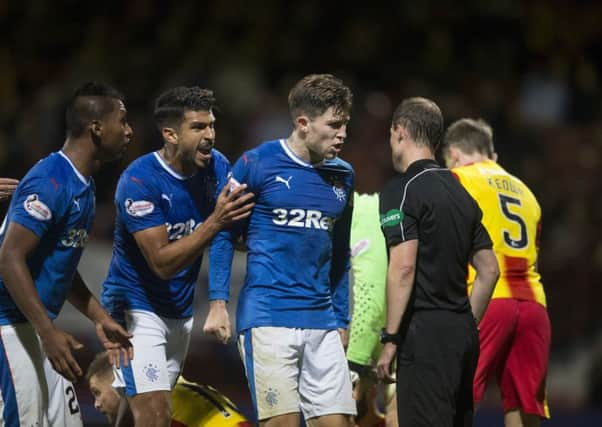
{"points": [[512, 216]]}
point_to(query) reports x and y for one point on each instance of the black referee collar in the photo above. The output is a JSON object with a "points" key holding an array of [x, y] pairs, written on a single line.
{"points": [[420, 165]]}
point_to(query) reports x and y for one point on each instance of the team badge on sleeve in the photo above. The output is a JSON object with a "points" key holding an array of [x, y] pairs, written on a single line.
{"points": [[36, 208], [139, 208]]}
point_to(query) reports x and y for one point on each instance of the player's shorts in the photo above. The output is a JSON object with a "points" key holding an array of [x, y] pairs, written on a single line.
{"points": [[33, 393], [291, 370], [515, 347], [160, 346], [436, 362]]}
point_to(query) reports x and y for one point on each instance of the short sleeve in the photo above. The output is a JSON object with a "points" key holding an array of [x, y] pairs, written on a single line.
{"points": [[138, 203], [397, 219], [480, 238], [38, 203]]}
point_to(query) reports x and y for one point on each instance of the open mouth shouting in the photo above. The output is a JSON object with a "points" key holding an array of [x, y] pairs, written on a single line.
{"points": [[204, 151]]}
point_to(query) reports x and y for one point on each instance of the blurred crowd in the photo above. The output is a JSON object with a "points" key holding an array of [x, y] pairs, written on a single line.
{"points": [[531, 68]]}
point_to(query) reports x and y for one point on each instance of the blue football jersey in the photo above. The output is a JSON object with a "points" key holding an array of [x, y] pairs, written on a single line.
{"points": [[57, 203], [297, 239], [149, 194]]}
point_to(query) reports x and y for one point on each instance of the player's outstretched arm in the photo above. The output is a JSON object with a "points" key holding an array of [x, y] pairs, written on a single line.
{"points": [[7, 187], [488, 271], [114, 338], [168, 258], [18, 243]]}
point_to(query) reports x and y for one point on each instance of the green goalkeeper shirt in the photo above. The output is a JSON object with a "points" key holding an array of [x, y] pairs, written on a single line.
{"points": [[369, 267]]}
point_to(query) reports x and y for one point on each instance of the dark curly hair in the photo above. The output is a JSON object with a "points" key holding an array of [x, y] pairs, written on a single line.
{"points": [[171, 105]]}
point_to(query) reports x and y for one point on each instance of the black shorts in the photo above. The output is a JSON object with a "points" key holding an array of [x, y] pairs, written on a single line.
{"points": [[436, 362]]}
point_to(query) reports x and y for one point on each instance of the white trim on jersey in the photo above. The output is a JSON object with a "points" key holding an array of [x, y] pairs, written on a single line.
{"points": [[79, 175], [292, 155], [405, 190], [168, 168]]}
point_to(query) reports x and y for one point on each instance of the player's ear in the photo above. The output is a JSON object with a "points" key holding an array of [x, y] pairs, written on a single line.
{"points": [[398, 132], [302, 123], [494, 157], [169, 135], [455, 153], [96, 131], [96, 128]]}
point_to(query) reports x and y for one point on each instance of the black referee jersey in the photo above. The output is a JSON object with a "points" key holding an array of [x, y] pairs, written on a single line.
{"points": [[429, 204]]}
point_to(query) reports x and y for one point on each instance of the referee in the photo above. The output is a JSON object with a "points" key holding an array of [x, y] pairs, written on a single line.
{"points": [[433, 230]]}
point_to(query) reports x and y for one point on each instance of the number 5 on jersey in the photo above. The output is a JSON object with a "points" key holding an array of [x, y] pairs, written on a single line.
{"points": [[523, 240]]}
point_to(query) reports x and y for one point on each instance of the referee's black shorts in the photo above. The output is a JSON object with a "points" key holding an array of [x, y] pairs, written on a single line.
{"points": [[436, 363]]}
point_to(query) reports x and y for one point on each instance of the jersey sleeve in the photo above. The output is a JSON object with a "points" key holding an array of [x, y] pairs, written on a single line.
{"points": [[480, 237], [398, 214], [138, 203], [246, 170], [38, 204], [340, 264], [221, 252]]}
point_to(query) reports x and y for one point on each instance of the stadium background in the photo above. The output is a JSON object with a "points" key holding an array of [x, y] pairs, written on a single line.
{"points": [[531, 68]]}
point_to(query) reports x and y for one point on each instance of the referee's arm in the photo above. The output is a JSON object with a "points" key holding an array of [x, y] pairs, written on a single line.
{"points": [[400, 280]]}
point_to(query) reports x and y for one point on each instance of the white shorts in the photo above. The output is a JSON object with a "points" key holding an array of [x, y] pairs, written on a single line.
{"points": [[160, 347], [291, 370], [32, 392]]}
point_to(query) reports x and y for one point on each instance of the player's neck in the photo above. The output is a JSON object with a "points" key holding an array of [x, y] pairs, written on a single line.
{"points": [[81, 157], [174, 161], [415, 154], [469, 159], [299, 147]]}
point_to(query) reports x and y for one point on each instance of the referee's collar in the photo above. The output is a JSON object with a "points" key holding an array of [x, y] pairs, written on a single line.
{"points": [[420, 165]]}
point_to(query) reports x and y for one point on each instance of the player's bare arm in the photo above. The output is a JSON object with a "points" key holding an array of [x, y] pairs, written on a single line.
{"points": [[167, 258], [400, 281], [58, 345], [488, 271], [7, 187], [113, 337]]}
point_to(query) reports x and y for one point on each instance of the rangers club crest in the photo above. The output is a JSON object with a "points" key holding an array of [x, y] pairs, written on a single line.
{"points": [[338, 188], [152, 372]]}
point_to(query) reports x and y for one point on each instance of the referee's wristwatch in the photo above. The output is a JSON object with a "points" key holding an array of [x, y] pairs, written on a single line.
{"points": [[386, 337]]}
